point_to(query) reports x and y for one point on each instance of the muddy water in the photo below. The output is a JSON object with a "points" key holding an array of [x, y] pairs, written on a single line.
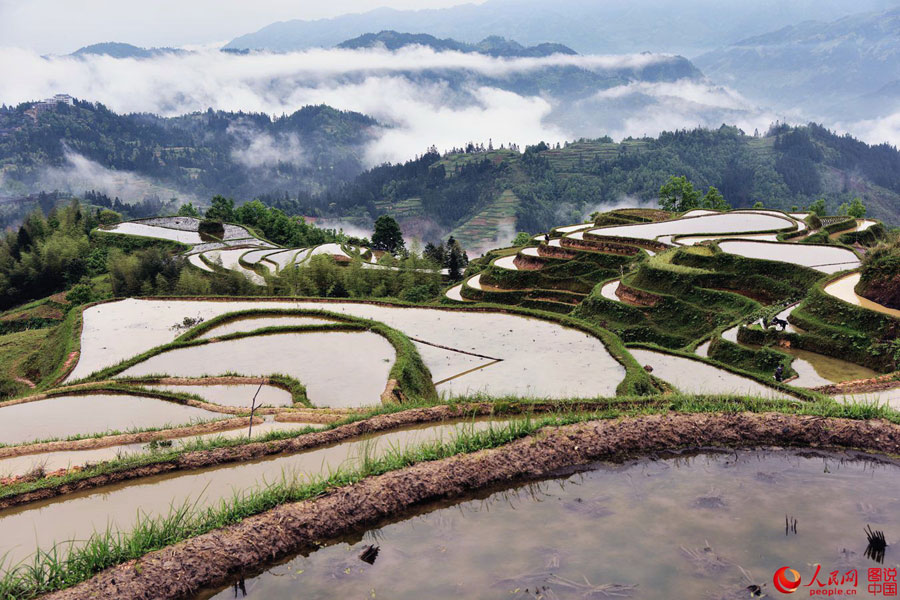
{"points": [[253, 323], [817, 369], [474, 282], [703, 349], [339, 369], [445, 364], [532, 251], [234, 395], [843, 288], [540, 358], [735, 222], [51, 461], [821, 258], [704, 527], [66, 416], [695, 377], [75, 517]]}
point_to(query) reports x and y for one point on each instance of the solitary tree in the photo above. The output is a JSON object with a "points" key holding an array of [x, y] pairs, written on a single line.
{"points": [[221, 209], [714, 200], [818, 207], [857, 209], [188, 210], [456, 260], [387, 235], [678, 195]]}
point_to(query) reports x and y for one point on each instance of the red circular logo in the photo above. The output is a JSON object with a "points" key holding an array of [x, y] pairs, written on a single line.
{"points": [[783, 584]]}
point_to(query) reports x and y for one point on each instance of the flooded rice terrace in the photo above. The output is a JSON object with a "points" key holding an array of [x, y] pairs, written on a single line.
{"points": [[539, 358], [65, 416], [709, 526], [76, 516]]}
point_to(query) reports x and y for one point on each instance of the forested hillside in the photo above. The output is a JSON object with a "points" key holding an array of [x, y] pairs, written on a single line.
{"points": [[783, 168], [201, 154]]}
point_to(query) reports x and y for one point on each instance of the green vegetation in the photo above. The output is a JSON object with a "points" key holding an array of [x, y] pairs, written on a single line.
{"points": [[678, 195]]}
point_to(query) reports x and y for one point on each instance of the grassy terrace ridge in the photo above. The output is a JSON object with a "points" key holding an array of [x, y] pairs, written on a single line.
{"points": [[48, 571]]}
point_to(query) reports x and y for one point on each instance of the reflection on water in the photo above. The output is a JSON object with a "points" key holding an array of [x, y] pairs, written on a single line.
{"points": [[705, 527]]}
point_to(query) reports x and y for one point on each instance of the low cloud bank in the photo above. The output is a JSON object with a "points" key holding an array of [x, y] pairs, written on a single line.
{"points": [[416, 111]]}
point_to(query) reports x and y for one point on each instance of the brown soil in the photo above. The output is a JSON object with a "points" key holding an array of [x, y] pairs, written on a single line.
{"points": [[556, 252], [607, 246], [884, 291], [218, 557], [635, 297], [862, 386], [525, 262]]}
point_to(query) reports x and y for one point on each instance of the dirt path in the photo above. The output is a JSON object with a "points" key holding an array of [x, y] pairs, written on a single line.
{"points": [[221, 556]]}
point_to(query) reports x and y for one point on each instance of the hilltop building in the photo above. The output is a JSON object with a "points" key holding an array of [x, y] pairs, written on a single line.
{"points": [[49, 104]]}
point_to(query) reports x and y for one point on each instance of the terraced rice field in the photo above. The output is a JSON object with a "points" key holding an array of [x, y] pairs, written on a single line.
{"points": [[826, 259], [52, 461], [696, 377], [254, 323], [539, 358], [64, 416], [734, 222], [163, 233], [240, 395], [322, 361], [844, 288], [76, 516]]}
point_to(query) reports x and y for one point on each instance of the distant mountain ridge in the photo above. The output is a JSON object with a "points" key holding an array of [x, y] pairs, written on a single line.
{"points": [[123, 50], [848, 67], [588, 26], [493, 45]]}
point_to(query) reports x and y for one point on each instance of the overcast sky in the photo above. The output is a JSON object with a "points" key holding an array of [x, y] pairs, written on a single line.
{"points": [[61, 26]]}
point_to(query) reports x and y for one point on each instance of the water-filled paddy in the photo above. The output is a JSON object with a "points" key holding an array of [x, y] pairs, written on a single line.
{"points": [[734, 222], [66, 416], [507, 262], [253, 323], [230, 259], [234, 394], [76, 516], [454, 293], [826, 259], [163, 233], [339, 369], [195, 260], [818, 369], [51, 461], [701, 527], [540, 358], [696, 377], [843, 288], [608, 290], [691, 240], [572, 228]]}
